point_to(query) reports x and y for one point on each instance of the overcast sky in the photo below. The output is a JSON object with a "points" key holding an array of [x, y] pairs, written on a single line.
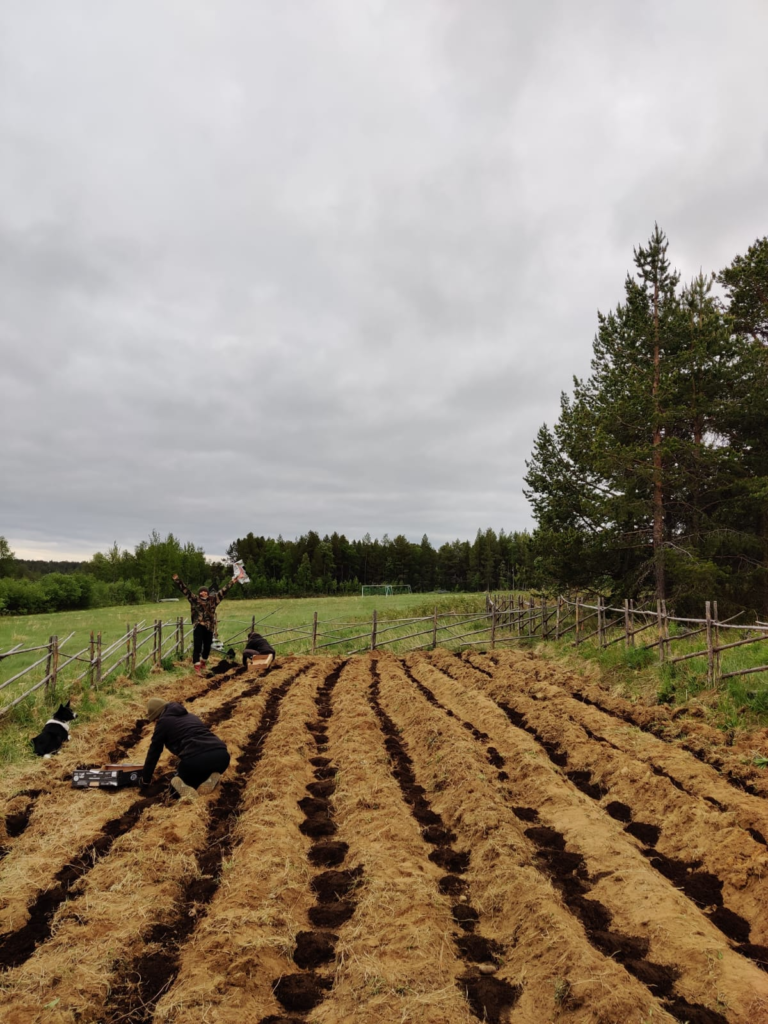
{"points": [[328, 265]]}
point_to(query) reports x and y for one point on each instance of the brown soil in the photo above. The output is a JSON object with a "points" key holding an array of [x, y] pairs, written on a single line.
{"points": [[432, 838]]}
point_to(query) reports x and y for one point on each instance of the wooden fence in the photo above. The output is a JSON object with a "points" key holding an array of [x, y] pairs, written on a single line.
{"points": [[506, 620]]}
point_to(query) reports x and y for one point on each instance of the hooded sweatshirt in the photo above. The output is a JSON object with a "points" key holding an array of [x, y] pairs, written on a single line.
{"points": [[183, 734]]}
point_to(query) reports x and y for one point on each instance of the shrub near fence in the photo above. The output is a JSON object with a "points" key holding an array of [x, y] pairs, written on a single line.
{"points": [[507, 620]]}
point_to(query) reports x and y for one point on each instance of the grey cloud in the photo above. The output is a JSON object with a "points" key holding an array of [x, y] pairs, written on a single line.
{"points": [[274, 268]]}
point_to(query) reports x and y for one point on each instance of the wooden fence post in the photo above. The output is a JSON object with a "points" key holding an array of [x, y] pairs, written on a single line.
{"points": [[544, 623], [373, 631], [493, 627], [660, 626], [127, 658], [626, 624], [53, 661], [531, 609], [557, 617], [710, 651], [98, 658], [632, 621], [718, 656], [314, 632], [578, 623], [133, 647], [434, 630], [91, 656], [160, 639], [181, 637], [49, 663], [600, 623]]}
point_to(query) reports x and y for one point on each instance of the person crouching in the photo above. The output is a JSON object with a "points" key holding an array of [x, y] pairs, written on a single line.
{"points": [[258, 650], [203, 757]]}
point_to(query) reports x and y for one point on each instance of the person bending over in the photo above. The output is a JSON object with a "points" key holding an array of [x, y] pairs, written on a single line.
{"points": [[203, 756], [203, 606], [257, 647]]}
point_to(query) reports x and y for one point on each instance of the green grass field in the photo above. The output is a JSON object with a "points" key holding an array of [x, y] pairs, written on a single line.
{"points": [[344, 623]]}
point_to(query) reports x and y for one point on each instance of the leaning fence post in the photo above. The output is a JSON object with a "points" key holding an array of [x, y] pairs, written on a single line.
{"points": [[253, 623], [578, 623], [632, 621], [373, 631], [314, 633], [710, 651], [660, 626], [434, 630], [53, 662]]}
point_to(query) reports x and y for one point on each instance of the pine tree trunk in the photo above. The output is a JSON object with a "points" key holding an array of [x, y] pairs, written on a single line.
{"points": [[658, 491]]}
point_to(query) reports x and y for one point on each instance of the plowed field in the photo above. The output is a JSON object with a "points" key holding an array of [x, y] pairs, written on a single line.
{"points": [[434, 838]]}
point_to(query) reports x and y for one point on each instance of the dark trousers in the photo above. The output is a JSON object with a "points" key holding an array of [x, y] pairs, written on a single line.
{"points": [[195, 770], [201, 643]]}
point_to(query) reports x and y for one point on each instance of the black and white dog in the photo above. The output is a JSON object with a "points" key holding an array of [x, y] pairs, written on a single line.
{"points": [[55, 731]]}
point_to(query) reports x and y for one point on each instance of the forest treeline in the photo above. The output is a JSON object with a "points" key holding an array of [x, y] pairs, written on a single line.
{"points": [[310, 565], [653, 482]]}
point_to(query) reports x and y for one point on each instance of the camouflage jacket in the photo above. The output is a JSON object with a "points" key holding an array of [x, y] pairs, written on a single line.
{"points": [[203, 609]]}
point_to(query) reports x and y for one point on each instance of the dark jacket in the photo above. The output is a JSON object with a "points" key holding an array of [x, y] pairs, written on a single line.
{"points": [[203, 609], [183, 734], [256, 644]]}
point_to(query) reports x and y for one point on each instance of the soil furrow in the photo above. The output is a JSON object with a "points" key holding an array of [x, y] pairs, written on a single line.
{"points": [[490, 998], [153, 972], [29, 908], [676, 728], [247, 936], [392, 959], [641, 904], [660, 817], [115, 900], [335, 888]]}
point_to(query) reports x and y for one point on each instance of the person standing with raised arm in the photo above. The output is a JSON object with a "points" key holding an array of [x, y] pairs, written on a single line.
{"points": [[203, 606]]}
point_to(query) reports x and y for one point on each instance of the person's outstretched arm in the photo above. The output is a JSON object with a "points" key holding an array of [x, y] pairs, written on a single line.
{"points": [[220, 593], [182, 586], [153, 755]]}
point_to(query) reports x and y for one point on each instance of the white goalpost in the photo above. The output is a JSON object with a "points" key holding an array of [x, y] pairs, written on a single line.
{"points": [[386, 589]]}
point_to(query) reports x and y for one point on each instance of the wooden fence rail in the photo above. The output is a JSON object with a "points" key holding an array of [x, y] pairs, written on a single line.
{"points": [[507, 620]]}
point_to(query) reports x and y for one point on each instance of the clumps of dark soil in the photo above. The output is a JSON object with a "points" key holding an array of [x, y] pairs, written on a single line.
{"points": [[335, 889], [452, 885], [479, 950], [438, 835], [332, 886], [17, 822], [757, 836], [227, 709], [494, 758], [693, 1013], [619, 811], [647, 834], [314, 949], [489, 997], [223, 666], [328, 853], [135, 1000], [582, 780], [17, 947], [525, 813], [301, 992], [755, 952]]}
